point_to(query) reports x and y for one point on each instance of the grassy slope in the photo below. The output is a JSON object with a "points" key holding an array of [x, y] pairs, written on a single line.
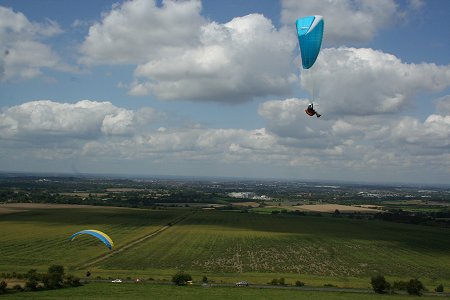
{"points": [[220, 243], [229, 246], [39, 237]]}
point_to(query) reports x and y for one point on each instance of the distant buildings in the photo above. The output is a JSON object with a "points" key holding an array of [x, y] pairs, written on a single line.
{"points": [[248, 195]]}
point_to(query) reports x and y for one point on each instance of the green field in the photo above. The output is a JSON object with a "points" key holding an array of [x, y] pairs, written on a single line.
{"points": [[228, 246], [39, 237], [109, 291]]}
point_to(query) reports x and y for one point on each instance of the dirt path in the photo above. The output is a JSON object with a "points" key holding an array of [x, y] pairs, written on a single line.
{"points": [[133, 243]]}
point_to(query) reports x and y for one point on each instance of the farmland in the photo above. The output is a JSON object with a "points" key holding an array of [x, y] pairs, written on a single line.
{"points": [[322, 235], [227, 246], [39, 237]]}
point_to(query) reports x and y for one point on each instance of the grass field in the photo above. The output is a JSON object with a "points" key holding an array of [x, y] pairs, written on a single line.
{"points": [[38, 238], [228, 246], [109, 291]]}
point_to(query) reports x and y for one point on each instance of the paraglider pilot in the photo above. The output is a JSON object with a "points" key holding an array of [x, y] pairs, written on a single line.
{"points": [[311, 112]]}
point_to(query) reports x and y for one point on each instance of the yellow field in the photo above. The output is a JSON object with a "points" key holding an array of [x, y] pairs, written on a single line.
{"points": [[331, 208]]}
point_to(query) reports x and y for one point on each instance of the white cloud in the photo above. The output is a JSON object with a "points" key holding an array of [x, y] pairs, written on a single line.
{"points": [[429, 137], [360, 142], [45, 120], [138, 31], [50, 130], [235, 62], [350, 81], [292, 144], [180, 55], [416, 4], [443, 105], [287, 119], [23, 54], [346, 21]]}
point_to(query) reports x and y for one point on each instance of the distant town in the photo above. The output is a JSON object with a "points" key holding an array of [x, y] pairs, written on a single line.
{"points": [[408, 203]]}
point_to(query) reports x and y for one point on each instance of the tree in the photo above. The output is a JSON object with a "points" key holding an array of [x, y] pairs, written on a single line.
{"points": [[205, 279], [415, 287], [72, 281], [3, 286], [181, 278], [33, 278], [379, 284], [439, 288], [277, 281], [299, 283], [54, 277]]}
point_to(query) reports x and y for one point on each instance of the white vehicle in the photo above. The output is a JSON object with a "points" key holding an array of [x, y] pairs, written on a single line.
{"points": [[117, 280], [242, 283]]}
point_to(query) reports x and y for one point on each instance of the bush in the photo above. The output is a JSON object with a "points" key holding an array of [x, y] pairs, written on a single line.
{"points": [[277, 281], [33, 278], [18, 287], [31, 284], [181, 278], [3, 286], [400, 285], [379, 284], [72, 281], [32, 274], [205, 279], [415, 287], [299, 283], [54, 277], [439, 288]]}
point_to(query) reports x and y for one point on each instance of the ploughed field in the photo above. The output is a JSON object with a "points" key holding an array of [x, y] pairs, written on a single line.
{"points": [[226, 246]]}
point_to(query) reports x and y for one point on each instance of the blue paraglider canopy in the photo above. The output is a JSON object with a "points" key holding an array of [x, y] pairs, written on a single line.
{"points": [[310, 33]]}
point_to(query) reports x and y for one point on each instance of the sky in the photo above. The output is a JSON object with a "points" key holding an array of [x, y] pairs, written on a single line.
{"points": [[216, 88]]}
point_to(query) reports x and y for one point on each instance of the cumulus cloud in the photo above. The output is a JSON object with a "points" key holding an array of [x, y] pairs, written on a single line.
{"points": [[443, 105], [235, 62], [429, 137], [139, 30], [91, 122], [180, 55], [351, 81], [23, 54], [291, 141], [45, 120], [346, 21], [286, 119], [360, 142], [100, 129]]}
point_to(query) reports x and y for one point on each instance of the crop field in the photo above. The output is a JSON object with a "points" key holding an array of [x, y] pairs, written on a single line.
{"points": [[218, 242], [38, 237], [228, 246]]}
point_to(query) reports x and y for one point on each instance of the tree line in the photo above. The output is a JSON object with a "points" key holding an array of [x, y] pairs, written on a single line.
{"points": [[55, 278], [413, 287]]}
